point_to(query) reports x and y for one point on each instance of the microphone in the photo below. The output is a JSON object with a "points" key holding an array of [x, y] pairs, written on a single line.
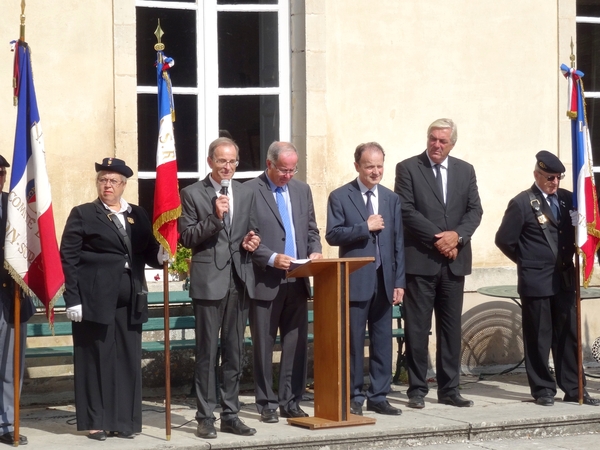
{"points": [[225, 186]]}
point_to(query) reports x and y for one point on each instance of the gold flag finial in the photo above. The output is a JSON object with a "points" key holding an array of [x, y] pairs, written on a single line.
{"points": [[159, 34], [22, 33], [572, 57]]}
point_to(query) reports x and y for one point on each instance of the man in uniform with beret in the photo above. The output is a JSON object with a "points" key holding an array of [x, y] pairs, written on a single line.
{"points": [[7, 330], [538, 235]]}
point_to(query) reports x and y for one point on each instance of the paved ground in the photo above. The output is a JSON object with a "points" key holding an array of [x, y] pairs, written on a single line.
{"points": [[503, 417]]}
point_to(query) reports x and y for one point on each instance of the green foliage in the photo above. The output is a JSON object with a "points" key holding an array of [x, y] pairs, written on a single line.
{"points": [[182, 258]]}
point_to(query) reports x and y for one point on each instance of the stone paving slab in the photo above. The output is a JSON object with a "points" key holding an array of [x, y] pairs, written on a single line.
{"points": [[503, 410]]}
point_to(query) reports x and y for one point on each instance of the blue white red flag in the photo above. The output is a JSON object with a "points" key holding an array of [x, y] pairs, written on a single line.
{"points": [[584, 189], [31, 249], [167, 203]]}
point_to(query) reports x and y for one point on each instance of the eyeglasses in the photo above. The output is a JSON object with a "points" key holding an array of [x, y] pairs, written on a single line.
{"points": [[2, 173], [552, 177], [293, 171], [111, 181], [224, 162]]}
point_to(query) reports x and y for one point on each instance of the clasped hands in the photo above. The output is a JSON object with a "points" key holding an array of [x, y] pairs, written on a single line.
{"points": [[446, 244]]}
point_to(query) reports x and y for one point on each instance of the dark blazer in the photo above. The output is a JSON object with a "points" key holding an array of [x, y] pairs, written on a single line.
{"points": [[272, 234], [212, 249], [7, 289], [347, 228], [522, 240], [93, 254], [424, 214]]}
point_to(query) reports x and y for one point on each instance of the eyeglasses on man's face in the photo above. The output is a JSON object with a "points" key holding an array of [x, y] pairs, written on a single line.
{"points": [[112, 181], [289, 172], [551, 178], [2, 173], [224, 162]]}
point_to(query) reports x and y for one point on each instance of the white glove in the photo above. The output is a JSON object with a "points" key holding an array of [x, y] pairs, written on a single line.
{"points": [[163, 255], [74, 313], [574, 217]]}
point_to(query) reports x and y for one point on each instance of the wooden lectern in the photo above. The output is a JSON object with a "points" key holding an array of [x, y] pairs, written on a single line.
{"points": [[332, 342]]}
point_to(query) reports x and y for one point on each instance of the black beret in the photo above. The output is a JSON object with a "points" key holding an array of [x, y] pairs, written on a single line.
{"points": [[549, 162], [114, 165], [3, 162]]}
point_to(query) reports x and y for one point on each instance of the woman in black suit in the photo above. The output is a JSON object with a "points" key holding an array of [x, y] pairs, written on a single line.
{"points": [[104, 248]]}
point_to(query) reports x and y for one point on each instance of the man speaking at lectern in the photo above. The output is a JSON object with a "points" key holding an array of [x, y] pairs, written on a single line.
{"points": [[364, 219]]}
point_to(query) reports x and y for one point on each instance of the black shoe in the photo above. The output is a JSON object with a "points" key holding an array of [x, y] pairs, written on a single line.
{"points": [[587, 400], [383, 407], [456, 400], [124, 435], [292, 412], [9, 438], [236, 426], [98, 435], [269, 415], [206, 428], [356, 408], [416, 402], [546, 400]]}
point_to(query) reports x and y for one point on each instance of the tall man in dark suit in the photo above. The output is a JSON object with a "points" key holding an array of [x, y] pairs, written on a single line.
{"points": [[440, 211], [288, 229], [219, 226], [7, 330], [364, 219], [537, 234]]}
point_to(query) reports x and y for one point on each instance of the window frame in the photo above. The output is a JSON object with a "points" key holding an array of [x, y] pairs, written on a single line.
{"points": [[208, 91]]}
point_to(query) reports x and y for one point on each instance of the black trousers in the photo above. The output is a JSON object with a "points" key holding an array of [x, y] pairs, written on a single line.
{"points": [[288, 313], [550, 325], [108, 374], [441, 294]]}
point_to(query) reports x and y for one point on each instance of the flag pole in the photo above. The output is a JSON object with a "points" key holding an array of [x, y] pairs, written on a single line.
{"points": [[577, 265], [17, 311], [159, 47]]}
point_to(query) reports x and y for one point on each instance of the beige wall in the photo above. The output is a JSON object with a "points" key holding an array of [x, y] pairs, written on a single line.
{"points": [[385, 73], [77, 78], [361, 71]]}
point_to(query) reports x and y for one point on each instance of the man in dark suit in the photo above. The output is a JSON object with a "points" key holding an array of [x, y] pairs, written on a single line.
{"points": [[364, 219], [218, 225], [440, 211], [7, 330], [537, 234], [288, 229]]}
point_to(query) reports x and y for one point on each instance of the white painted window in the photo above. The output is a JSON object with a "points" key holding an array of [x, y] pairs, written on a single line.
{"points": [[231, 77]]}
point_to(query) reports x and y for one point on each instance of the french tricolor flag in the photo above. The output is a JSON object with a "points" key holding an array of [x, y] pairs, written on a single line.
{"points": [[167, 203], [31, 248], [584, 189]]}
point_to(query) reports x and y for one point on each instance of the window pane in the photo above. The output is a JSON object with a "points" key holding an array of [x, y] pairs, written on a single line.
{"points": [[248, 49], [179, 27], [588, 55], [185, 129], [589, 8], [247, 2], [253, 123]]}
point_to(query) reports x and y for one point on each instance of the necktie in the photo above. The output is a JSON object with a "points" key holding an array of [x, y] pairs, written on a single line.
{"points": [[438, 180], [287, 225], [554, 206], [226, 218], [371, 212]]}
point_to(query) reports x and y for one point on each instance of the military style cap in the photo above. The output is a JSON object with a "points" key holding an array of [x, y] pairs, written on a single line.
{"points": [[3, 162], [548, 162], [114, 165]]}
